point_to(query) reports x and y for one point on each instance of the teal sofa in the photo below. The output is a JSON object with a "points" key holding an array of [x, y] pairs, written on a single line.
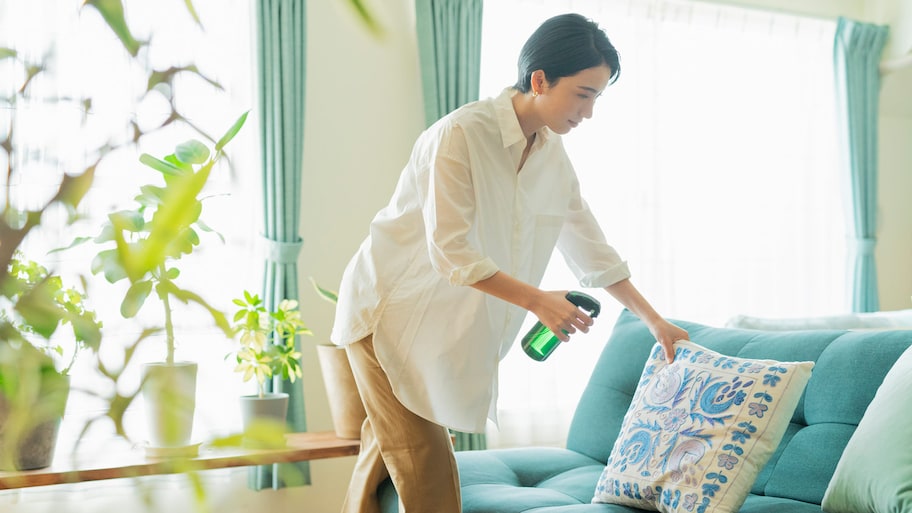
{"points": [[850, 366]]}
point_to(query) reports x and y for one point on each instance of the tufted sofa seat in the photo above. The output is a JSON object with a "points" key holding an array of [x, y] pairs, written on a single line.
{"points": [[850, 366]]}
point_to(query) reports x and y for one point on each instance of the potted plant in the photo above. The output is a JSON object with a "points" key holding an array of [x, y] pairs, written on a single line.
{"points": [[142, 247], [34, 364], [345, 404], [257, 358]]}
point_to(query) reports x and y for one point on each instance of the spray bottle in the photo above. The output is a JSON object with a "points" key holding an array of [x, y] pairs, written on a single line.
{"points": [[540, 342]]}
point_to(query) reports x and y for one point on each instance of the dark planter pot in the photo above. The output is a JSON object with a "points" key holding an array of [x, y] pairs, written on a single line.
{"points": [[28, 437], [264, 419]]}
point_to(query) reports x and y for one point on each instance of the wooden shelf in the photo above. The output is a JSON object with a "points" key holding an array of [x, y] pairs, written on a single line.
{"points": [[116, 461]]}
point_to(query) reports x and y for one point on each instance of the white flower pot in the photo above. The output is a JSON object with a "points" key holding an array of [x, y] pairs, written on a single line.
{"points": [[169, 394]]}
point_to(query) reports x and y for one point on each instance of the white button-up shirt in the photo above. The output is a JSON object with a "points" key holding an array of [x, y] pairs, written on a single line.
{"points": [[460, 213]]}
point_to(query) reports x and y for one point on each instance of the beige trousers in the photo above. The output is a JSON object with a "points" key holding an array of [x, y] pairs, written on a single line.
{"points": [[415, 453]]}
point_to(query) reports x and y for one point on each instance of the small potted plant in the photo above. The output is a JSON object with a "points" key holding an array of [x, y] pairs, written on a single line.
{"points": [[257, 358], [35, 359], [142, 246]]}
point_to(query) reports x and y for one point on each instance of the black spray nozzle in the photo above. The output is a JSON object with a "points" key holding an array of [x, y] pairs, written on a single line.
{"points": [[585, 301]]}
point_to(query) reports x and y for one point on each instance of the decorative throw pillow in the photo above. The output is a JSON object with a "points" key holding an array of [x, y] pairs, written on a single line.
{"points": [[699, 430], [875, 470]]}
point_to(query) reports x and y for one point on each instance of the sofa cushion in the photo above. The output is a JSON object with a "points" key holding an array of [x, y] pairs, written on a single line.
{"points": [[543, 479], [875, 470], [698, 430], [543, 476], [767, 504]]}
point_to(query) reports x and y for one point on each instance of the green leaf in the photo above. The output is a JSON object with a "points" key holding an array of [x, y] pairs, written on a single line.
{"points": [[192, 152], [76, 242], [162, 166], [193, 12], [7, 53], [183, 244], [150, 196], [326, 294], [113, 13], [186, 296], [87, 330], [265, 433], [366, 17], [39, 310], [233, 131], [178, 210], [135, 298], [129, 220], [177, 162], [108, 262], [194, 211], [228, 441], [106, 235], [193, 237], [206, 228]]}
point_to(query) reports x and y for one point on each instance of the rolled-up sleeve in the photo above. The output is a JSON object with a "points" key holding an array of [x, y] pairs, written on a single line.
{"points": [[449, 211]]}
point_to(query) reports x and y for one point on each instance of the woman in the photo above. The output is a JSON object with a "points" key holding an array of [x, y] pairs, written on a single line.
{"points": [[436, 294]]}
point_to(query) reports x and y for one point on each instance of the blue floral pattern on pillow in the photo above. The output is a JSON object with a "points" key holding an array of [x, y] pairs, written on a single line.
{"points": [[699, 430]]}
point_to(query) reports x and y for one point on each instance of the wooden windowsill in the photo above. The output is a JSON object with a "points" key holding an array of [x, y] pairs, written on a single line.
{"points": [[133, 462]]}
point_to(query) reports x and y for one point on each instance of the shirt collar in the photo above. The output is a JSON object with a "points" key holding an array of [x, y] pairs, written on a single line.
{"points": [[510, 131]]}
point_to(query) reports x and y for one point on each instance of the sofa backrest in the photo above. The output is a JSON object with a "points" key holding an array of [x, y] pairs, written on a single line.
{"points": [[850, 366]]}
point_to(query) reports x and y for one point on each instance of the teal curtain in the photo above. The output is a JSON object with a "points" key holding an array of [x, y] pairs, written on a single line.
{"points": [[280, 33], [856, 56], [449, 47]]}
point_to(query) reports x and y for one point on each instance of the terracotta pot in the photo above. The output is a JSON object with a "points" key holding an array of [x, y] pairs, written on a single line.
{"points": [[345, 404]]}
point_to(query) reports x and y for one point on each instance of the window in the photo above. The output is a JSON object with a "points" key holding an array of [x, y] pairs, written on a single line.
{"points": [[711, 166], [53, 136]]}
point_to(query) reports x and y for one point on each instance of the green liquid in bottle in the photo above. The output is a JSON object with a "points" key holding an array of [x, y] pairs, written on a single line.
{"points": [[540, 342]]}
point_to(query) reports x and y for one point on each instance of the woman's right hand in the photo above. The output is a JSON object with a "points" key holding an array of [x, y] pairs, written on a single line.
{"points": [[562, 317], [552, 307]]}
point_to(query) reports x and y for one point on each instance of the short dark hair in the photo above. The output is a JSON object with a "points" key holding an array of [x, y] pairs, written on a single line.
{"points": [[563, 46]]}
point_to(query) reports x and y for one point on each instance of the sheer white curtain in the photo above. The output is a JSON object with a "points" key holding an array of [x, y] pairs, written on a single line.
{"points": [[55, 137], [710, 165]]}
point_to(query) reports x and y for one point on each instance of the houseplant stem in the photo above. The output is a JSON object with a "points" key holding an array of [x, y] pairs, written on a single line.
{"points": [[169, 325]]}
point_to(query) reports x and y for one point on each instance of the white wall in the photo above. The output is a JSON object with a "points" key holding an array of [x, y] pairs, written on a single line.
{"points": [[894, 235], [364, 111]]}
